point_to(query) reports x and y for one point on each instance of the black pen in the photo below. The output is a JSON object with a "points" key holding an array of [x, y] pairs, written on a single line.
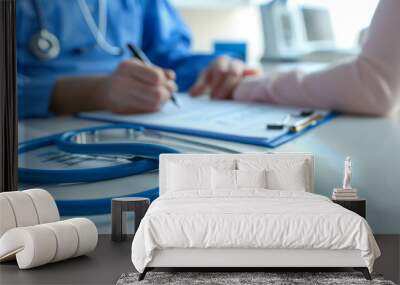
{"points": [[139, 54]]}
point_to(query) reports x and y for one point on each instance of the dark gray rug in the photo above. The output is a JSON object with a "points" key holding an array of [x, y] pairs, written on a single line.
{"points": [[243, 278]]}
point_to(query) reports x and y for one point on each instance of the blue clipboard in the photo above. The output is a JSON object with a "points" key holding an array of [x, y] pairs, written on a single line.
{"points": [[242, 122], [278, 141]]}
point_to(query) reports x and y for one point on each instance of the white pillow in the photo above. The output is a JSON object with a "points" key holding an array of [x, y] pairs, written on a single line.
{"points": [[226, 179], [282, 174], [251, 178], [223, 179], [182, 177], [293, 179]]}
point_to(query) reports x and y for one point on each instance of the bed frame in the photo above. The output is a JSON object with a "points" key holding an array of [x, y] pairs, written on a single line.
{"points": [[245, 259], [233, 259]]}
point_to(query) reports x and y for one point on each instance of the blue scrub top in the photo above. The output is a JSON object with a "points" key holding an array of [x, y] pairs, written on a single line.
{"points": [[152, 25]]}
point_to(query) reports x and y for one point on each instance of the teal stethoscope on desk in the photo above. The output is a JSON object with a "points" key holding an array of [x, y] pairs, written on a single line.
{"points": [[135, 149]]}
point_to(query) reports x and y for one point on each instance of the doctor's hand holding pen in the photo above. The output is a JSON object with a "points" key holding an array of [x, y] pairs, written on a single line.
{"points": [[151, 86], [137, 86], [220, 77], [134, 87]]}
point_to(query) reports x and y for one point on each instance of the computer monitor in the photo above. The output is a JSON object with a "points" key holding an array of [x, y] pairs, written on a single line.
{"points": [[293, 30]]}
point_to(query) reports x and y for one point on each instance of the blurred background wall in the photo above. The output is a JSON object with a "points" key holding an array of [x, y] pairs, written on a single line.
{"points": [[241, 20]]}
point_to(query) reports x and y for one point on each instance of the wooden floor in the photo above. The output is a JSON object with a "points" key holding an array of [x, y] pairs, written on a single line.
{"points": [[110, 260]]}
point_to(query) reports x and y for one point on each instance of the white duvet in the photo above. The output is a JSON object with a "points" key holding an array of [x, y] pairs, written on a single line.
{"points": [[250, 219]]}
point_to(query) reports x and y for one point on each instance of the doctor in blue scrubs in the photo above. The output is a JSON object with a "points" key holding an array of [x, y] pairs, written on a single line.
{"points": [[72, 57]]}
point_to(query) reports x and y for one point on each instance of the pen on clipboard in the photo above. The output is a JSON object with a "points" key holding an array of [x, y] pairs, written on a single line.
{"points": [[139, 54], [310, 119], [302, 124]]}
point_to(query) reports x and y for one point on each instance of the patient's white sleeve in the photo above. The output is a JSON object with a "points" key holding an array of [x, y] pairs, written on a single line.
{"points": [[369, 84]]}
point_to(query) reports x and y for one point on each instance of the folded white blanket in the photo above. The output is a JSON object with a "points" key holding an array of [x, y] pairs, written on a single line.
{"points": [[251, 219]]}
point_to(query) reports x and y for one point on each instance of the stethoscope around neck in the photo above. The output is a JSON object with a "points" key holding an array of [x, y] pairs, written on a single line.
{"points": [[46, 46]]}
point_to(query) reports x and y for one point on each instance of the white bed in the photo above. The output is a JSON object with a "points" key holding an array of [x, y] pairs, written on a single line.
{"points": [[204, 219]]}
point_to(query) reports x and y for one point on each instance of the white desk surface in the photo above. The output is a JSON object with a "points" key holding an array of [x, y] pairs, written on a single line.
{"points": [[373, 144]]}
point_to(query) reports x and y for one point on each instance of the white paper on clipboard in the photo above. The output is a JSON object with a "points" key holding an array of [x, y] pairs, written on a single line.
{"points": [[202, 114]]}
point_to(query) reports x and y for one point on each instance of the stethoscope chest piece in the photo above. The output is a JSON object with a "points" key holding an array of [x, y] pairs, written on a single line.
{"points": [[44, 45]]}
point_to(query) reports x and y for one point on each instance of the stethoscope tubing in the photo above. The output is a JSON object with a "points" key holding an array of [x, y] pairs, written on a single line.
{"points": [[87, 175], [98, 206], [141, 149], [101, 206], [98, 32], [39, 15]]}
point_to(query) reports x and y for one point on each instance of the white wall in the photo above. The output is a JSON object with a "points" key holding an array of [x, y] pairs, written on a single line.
{"points": [[221, 21], [235, 23]]}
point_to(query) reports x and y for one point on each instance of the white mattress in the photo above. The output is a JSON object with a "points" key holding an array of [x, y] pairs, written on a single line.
{"points": [[253, 219]]}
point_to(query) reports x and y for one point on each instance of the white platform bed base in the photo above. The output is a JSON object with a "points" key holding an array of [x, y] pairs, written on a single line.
{"points": [[243, 259]]}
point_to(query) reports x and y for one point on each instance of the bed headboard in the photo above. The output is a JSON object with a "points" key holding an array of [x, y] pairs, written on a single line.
{"points": [[232, 161]]}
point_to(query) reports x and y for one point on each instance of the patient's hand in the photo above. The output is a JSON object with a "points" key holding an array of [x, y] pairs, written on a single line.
{"points": [[221, 78]]}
